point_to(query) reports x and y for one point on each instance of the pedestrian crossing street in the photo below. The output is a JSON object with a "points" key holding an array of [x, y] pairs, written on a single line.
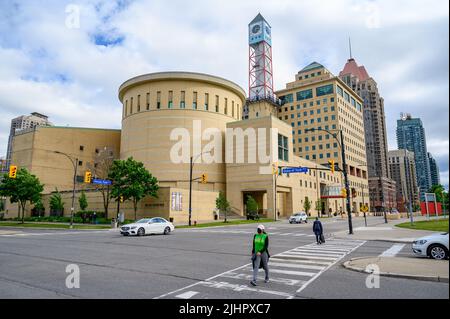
{"points": [[290, 272], [248, 231]]}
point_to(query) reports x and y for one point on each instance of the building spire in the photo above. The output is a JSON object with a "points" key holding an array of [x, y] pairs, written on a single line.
{"points": [[350, 47]]}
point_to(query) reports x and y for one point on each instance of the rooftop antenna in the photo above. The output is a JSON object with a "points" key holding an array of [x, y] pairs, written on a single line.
{"points": [[350, 46]]}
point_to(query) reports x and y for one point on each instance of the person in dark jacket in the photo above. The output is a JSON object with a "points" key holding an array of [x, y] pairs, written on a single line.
{"points": [[260, 254], [318, 230]]}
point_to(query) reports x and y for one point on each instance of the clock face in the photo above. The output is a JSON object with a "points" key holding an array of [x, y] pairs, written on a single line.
{"points": [[256, 28]]}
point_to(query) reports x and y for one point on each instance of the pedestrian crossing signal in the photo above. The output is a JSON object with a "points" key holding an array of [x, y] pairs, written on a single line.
{"points": [[12, 171], [204, 178], [88, 177]]}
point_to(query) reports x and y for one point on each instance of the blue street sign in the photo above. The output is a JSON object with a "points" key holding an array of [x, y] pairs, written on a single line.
{"points": [[290, 170], [101, 181]]}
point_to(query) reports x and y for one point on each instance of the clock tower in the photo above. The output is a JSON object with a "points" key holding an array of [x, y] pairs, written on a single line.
{"points": [[262, 101]]}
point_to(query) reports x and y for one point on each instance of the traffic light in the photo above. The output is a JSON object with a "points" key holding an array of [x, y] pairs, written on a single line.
{"points": [[332, 167], [344, 193], [121, 199], [87, 177], [353, 192], [204, 178], [12, 171]]}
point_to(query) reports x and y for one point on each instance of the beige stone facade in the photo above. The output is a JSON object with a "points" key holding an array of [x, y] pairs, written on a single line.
{"points": [[161, 111], [318, 99]]}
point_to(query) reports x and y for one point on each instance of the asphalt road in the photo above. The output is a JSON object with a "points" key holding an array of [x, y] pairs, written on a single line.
{"points": [[195, 263]]}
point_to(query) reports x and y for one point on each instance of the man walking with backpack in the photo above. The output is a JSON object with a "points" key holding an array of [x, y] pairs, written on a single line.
{"points": [[318, 231]]}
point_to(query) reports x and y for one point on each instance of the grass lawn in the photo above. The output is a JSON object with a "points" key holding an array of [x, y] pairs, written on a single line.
{"points": [[433, 225], [51, 225], [229, 223]]}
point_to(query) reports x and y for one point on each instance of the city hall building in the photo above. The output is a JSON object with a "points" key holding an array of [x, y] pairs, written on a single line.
{"points": [[158, 108]]}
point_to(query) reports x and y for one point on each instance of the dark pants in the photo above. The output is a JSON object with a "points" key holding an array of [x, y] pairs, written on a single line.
{"points": [[318, 238]]}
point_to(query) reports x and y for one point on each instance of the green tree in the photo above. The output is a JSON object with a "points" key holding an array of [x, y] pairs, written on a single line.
{"points": [[252, 206], [56, 203], [441, 195], [101, 168], [132, 181], [39, 207], [22, 189], [307, 205], [319, 206], [82, 201], [222, 204]]}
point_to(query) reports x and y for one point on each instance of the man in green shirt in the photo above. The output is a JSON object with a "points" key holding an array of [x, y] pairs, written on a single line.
{"points": [[260, 254]]}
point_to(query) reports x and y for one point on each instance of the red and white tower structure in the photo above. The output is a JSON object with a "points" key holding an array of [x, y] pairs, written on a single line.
{"points": [[260, 59]]}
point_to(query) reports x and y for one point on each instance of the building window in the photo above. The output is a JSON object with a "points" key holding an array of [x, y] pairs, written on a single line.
{"points": [[206, 101], [131, 106], [353, 102], [170, 103], [194, 100], [147, 101], [324, 90], [81, 148], [289, 98], [139, 103], [347, 97], [283, 148], [183, 100], [217, 103], [226, 106], [80, 163], [158, 100], [303, 95], [126, 107]]}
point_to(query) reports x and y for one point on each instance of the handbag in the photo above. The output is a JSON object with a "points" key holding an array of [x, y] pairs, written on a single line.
{"points": [[322, 238]]}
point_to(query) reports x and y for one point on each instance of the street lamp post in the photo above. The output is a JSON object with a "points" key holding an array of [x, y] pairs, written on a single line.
{"points": [[344, 170], [191, 166], [75, 166]]}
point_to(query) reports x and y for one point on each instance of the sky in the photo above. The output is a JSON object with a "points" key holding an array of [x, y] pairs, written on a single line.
{"points": [[67, 59]]}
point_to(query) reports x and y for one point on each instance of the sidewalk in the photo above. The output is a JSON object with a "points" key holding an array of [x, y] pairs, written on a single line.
{"points": [[386, 232], [402, 267]]}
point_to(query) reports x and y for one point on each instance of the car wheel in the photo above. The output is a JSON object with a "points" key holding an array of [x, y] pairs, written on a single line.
{"points": [[167, 231], [438, 252], [141, 232]]}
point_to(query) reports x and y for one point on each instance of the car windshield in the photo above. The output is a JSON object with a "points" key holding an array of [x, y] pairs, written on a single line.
{"points": [[143, 221]]}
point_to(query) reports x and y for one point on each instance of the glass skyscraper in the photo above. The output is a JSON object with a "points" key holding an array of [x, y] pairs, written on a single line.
{"points": [[411, 136]]}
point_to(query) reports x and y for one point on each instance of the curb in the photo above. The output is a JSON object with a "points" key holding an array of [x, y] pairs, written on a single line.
{"points": [[60, 229], [394, 275]]}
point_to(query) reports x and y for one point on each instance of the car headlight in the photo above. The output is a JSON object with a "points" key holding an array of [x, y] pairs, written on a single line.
{"points": [[420, 242], [133, 227]]}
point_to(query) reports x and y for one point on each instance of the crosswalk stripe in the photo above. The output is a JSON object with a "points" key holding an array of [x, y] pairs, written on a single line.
{"points": [[187, 295], [303, 259], [237, 287], [310, 256], [290, 272], [318, 253], [393, 251], [282, 281], [272, 264], [331, 251]]}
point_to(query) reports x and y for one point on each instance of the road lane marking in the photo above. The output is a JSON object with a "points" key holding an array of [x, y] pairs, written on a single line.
{"points": [[187, 295], [287, 261], [393, 251], [324, 270]]}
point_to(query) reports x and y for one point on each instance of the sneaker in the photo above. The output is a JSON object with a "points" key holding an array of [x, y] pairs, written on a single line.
{"points": [[253, 283], [266, 281]]}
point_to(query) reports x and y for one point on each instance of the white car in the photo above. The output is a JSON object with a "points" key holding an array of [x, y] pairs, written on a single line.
{"points": [[298, 218], [434, 246], [146, 226]]}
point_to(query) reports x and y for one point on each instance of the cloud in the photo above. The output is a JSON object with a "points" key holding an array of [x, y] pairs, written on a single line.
{"points": [[73, 74]]}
